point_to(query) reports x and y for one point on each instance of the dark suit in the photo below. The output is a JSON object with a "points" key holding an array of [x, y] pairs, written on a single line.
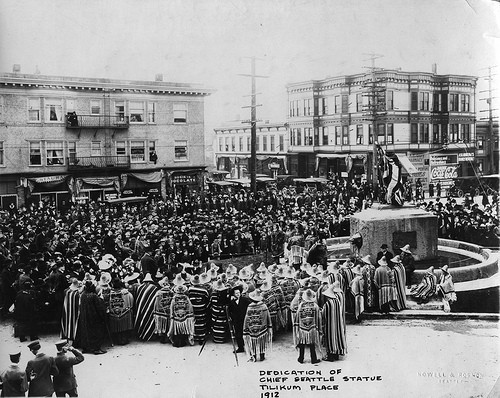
{"points": [[238, 311], [388, 255], [38, 371], [14, 382], [65, 381]]}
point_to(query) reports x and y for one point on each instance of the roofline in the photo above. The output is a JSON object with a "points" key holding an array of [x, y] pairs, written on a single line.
{"points": [[102, 84], [380, 71]]}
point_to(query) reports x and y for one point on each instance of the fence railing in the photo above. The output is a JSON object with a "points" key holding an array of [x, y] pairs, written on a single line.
{"points": [[98, 162], [74, 121]]}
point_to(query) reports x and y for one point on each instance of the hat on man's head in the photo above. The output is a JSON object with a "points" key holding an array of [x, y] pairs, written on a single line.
{"points": [[196, 280], [105, 279], [384, 246], [231, 270], [396, 259], [104, 265], [444, 268], [148, 278], [256, 295], [34, 345], [180, 289], [367, 259], [382, 261], [406, 249], [309, 295], [132, 277], [60, 344], [178, 280], [204, 278]]}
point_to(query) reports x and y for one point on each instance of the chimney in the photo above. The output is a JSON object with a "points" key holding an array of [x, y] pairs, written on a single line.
{"points": [[16, 68], [435, 68], [159, 77]]}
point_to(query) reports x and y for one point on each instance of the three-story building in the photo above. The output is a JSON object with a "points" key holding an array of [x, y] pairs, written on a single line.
{"points": [[66, 138]]}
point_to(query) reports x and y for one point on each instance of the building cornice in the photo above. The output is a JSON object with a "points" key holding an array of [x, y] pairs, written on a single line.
{"points": [[101, 84]]}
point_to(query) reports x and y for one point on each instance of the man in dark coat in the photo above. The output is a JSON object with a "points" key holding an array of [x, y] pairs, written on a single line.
{"points": [[25, 312], [237, 311], [14, 381], [65, 381], [39, 371], [148, 264], [384, 252]]}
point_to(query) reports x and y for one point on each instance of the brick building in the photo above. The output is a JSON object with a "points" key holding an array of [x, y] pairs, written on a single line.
{"points": [[430, 118], [67, 138]]}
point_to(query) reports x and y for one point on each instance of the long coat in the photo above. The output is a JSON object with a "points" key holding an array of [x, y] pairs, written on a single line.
{"points": [[66, 379]]}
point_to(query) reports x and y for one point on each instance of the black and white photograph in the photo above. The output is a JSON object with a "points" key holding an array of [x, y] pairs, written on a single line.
{"points": [[249, 198]]}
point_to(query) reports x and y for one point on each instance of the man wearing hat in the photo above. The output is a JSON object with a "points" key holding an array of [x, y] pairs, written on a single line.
{"points": [[39, 371], [357, 288], [426, 288], [384, 281], [121, 303], [14, 380], [181, 329], [307, 326], [400, 281], [161, 313], [219, 299], [71, 306], [237, 310], [65, 381], [200, 299], [384, 252], [289, 287], [25, 312], [408, 263], [446, 288], [334, 325], [144, 322], [371, 293], [257, 328]]}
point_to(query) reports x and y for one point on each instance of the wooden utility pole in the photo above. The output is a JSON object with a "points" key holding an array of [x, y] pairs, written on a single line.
{"points": [[253, 124], [374, 104], [490, 141]]}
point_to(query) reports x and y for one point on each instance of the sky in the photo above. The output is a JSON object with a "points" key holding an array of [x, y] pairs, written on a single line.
{"points": [[210, 41]]}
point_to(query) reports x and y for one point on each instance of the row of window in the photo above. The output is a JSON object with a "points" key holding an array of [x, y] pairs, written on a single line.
{"points": [[444, 133], [339, 135], [441, 102], [52, 110], [264, 143], [54, 153]]}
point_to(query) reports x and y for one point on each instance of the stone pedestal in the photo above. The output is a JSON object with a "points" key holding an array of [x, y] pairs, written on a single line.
{"points": [[397, 226]]}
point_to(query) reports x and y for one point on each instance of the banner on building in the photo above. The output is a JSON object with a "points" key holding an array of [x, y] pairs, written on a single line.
{"points": [[444, 174]]}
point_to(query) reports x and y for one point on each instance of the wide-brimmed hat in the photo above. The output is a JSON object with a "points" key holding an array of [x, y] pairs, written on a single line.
{"points": [[244, 274], [219, 285], [444, 268], [324, 276], [148, 278], [406, 249], [308, 295], [132, 277], [396, 259], [105, 279], [273, 268], [74, 284], [430, 270], [214, 266], [104, 265], [109, 257], [256, 295], [367, 259], [88, 277], [164, 282], [196, 280], [280, 273], [382, 261], [204, 278], [231, 270], [128, 261], [212, 273], [178, 280], [180, 289], [266, 286], [357, 270], [289, 273], [262, 267]]}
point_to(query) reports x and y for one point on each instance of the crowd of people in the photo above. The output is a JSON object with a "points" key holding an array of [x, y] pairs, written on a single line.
{"points": [[109, 273]]}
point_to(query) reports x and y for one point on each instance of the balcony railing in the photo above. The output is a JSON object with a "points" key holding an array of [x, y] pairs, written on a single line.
{"points": [[98, 162], [74, 121]]}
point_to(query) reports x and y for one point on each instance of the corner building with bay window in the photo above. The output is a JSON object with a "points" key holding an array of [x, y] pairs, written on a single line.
{"points": [[334, 122], [66, 139]]}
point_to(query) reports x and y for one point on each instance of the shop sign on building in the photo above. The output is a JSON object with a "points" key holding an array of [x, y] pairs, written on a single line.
{"points": [[185, 179], [444, 174], [466, 157], [417, 159]]}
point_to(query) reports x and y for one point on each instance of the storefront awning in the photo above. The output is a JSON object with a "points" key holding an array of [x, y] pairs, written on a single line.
{"points": [[408, 166], [331, 155]]}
